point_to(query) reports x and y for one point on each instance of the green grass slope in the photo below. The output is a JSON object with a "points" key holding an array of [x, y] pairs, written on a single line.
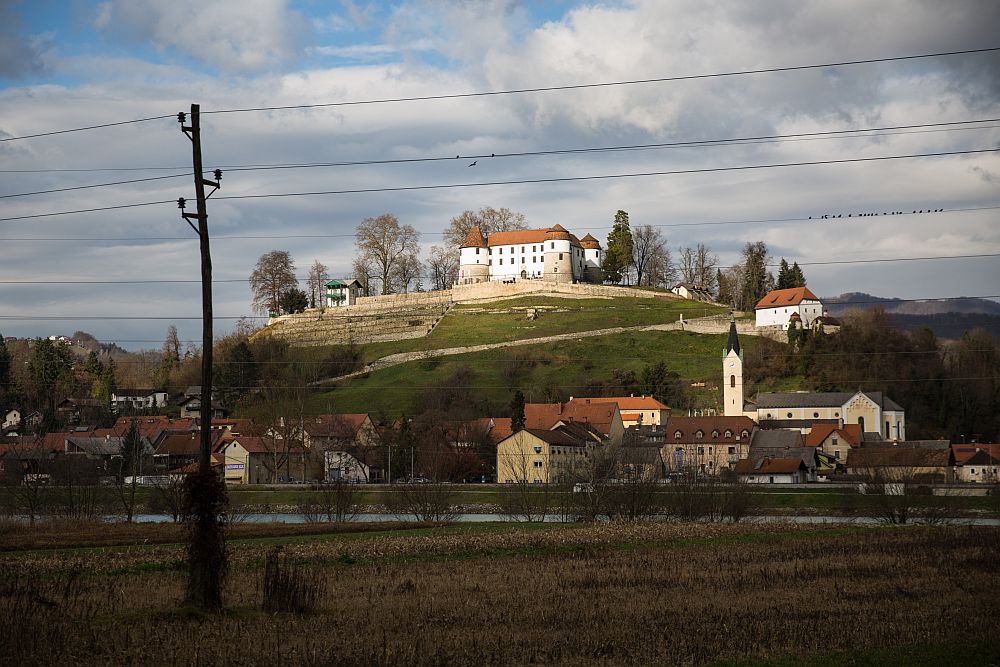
{"points": [[544, 372]]}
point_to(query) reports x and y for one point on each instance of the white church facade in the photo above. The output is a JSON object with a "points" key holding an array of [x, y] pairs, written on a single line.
{"points": [[550, 253], [873, 411]]}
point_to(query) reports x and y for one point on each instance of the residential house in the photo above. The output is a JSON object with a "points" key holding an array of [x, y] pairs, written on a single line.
{"points": [[834, 440], [768, 470], [11, 421], [606, 418], [779, 444], [692, 292], [190, 406], [261, 460], [77, 410], [706, 445], [561, 454], [343, 445], [342, 293], [636, 410], [982, 467], [130, 401], [776, 308]]}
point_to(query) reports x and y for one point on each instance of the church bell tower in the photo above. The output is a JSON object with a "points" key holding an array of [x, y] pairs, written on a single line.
{"points": [[732, 374]]}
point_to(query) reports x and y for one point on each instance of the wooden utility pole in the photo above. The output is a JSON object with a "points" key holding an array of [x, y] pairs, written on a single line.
{"points": [[204, 491]]}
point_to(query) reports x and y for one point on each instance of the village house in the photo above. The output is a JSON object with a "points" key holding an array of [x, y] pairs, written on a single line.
{"points": [[548, 456], [705, 445], [981, 467], [261, 460], [692, 292], [125, 401], [549, 253], [777, 307], [347, 446], [902, 464], [834, 440], [781, 444], [768, 470], [341, 293], [636, 410], [605, 418]]}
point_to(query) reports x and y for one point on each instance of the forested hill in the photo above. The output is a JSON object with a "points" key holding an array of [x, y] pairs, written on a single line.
{"points": [[947, 319]]}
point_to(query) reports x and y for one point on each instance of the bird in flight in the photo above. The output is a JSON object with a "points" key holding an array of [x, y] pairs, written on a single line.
{"points": [[473, 163]]}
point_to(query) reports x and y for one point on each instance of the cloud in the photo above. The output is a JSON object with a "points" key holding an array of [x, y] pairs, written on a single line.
{"points": [[228, 35], [20, 55]]}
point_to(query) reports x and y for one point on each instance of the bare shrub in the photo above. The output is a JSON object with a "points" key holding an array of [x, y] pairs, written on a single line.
{"points": [[523, 501], [333, 502], [708, 499], [286, 586], [425, 502]]}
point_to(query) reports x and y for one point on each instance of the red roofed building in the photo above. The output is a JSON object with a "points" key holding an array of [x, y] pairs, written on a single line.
{"points": [[606, 418], [768, 470], [834, 440], [548, 253], [778, 306], [636, 410]]}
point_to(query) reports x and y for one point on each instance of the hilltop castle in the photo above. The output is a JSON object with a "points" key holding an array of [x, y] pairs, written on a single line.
{"points": [[550, 253]]}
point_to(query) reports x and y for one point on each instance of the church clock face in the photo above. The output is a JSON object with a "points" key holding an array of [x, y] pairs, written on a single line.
{"points": [[732, 363]]}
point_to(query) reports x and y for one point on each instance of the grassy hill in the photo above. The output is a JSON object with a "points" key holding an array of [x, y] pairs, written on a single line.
{"points": [[544, 372]]}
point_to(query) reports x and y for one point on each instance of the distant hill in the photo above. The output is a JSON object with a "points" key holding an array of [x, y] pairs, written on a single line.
{"points": [[947, 319]]}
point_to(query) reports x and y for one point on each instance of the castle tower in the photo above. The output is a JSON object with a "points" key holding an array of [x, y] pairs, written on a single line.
{"points": [[732, 374], [593, 260], [474, 259], [558, 255]]}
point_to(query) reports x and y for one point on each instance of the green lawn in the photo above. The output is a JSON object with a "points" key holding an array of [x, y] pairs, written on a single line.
{"points": [[469, 325], [544, 372]]}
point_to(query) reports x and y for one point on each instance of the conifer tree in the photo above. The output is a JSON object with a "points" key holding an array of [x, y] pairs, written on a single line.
{"points": [[618, 255], [784, 281], [517, 412]]}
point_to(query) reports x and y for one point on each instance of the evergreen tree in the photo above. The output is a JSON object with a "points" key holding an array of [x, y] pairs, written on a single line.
{"points": [[517, 412], [796, 276], [755, 274], [618, 255], [51, 371], [662, 384], [784, 282], [238, 373], [6, 378]]}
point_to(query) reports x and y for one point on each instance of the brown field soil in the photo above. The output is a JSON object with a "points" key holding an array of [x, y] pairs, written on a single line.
{"points": [[583, 595]]}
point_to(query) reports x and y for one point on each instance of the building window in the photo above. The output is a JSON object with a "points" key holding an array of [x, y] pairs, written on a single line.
{"points": [[560, 255], [538, 450], [815, 415], [500, 250], [677, 435], [699, 434], [477, 251], [732, 450], [538, 464], [522, 248], [836, 454], [729, 433], [732, 380], [701, 451], [533, 259], [512, 250], [715, 434], [552, 245], [491, 262], [744, 434], [789, 415]]}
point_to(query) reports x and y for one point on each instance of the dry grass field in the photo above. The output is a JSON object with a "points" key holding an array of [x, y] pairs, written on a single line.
{"points": [[507, 594]]}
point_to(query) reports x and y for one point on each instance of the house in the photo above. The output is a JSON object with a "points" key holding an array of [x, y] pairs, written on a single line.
{"points": [[902, 464], [784, 444], [834, 440], [636, 410], [190, 408], [776, 308], [708, 445], [11, 421], [342, 293], [982, 467], [137, 400], [640, 462], [543, 456], [75, 410], [606, 418], [343, 445], [692, 292], [768, 470], [261, 460], [549, 253]]}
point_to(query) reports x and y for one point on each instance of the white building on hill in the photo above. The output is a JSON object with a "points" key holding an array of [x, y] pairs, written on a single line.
{"points": [[550, 253], [778, 306]]}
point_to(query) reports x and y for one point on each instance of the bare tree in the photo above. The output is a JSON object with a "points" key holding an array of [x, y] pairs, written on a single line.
{"points": [[273, 275], [443, 267], [407, 273], [661, 271], [699, 266], [316, 283], [648, 242], [364, 273], [386, 244], [488, 219]]}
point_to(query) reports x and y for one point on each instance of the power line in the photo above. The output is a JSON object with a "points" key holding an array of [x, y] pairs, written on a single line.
{"points": [[93, 185], [564, 179], [539, 89], [124, 281], [425, 233], [87, 127], [665, 79], [774, 138]]}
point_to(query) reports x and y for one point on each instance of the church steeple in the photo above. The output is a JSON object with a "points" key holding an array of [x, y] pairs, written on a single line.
{"points": [[732, 374], [733, 344]]}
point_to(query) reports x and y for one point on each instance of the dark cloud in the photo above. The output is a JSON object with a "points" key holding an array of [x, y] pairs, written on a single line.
{"points": [[20, 55]]}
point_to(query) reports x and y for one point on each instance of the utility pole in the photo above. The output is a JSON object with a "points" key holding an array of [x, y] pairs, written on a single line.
{"points": [[205, 493]]}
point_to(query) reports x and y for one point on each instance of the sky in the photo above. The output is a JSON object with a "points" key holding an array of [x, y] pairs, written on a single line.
{"points": [[73, 63]]}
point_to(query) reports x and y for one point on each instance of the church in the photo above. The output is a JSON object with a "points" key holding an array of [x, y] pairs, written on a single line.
{"points": [[877, 415], [550, 253]]}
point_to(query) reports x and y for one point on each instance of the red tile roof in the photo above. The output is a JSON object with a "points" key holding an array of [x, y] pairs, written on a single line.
{"points": [[547, 415], [850, 433], [689, 427], [522, 236], [779, 298], [628, 402], [964, 452], [256, 445], [769, 466], [474, 239], [334, 426]]}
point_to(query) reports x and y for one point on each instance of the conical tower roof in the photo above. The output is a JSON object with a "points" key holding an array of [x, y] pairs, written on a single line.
{"points": [[734, 340], [474, 239], [590, 243], [557, 233]]}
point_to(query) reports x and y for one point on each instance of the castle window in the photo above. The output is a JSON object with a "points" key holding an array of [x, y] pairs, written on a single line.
{"points": [[552, 245], [533, 259], [500, 250], [522, 248], [477, 251], [501, 261]]}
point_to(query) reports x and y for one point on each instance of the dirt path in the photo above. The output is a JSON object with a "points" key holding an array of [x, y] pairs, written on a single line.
{"points": [[708, 325]]}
